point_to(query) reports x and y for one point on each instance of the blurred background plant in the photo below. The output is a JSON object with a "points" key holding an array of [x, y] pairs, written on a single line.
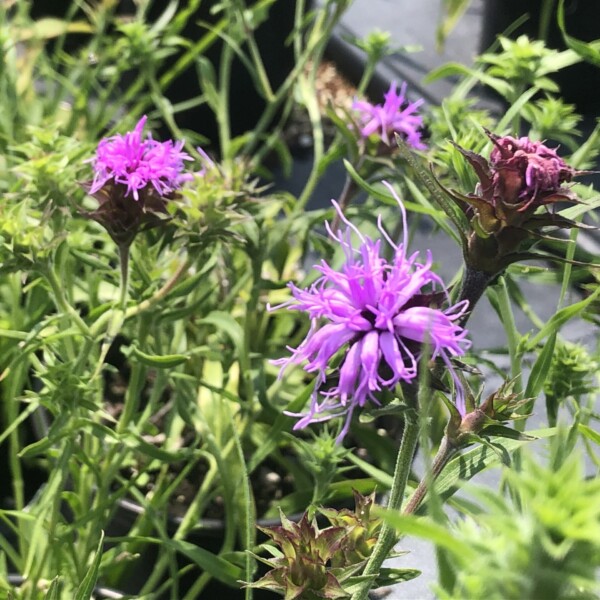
{"points": [[535, 538]]}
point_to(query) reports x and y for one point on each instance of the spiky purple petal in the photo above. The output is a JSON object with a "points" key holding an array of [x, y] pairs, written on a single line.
{"points": [[374, 315], [138, 163], [389, 118]]}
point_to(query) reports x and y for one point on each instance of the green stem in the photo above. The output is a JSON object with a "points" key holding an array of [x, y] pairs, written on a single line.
{"points": [[315, 45], [124, 264], [546, 15], [473, 286], [117, 315], [259, 65], [137, 380], [445, 452], [133, 311], [388, 536], [223, 108], [47, 510], [13, 390]]}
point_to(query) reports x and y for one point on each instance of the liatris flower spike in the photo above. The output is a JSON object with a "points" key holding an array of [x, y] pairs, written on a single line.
{"points": [[379, 316], [133, 180], [390, 118], [520, 177]]}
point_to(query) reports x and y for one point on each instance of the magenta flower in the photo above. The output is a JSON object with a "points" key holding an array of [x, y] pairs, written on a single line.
{"points": [[138, 163], [390, 118], [376, 316], [128, 166]]}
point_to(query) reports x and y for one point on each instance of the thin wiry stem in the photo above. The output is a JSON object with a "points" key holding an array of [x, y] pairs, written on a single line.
{"points": [[388, 537]]}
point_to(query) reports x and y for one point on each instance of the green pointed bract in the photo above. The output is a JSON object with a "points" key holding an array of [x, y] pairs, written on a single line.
{"points": [[317, 563], [361, 530], [487, 417]]}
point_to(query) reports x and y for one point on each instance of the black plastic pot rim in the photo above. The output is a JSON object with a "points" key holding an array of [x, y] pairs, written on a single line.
{"points": [[207, 525]]}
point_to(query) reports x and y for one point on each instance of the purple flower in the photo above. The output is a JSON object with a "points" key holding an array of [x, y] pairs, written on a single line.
{"points": [[128, 166], [527, 173], [390, 118], [375, 316], [138, 163]]}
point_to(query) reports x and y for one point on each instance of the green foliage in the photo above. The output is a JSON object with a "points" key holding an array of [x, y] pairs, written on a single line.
{"points": [[537, 540], [524, 62], [313, 562], [573, 374], [552, 119], [543, 543]]}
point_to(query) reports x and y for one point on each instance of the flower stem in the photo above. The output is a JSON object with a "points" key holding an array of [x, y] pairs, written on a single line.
{"points": [[133, 311], [445, 452], [124, 264], [388, 537], [117, 315], [473, 286]]}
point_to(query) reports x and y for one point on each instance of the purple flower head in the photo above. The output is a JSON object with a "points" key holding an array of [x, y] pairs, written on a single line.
{"points": [[527, 173], [514, 201], [389, 118], [128, 166], [377, 316], [137, 163]]}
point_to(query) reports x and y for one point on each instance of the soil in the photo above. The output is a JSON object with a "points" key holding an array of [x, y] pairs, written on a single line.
{"points": [[333, 91]]}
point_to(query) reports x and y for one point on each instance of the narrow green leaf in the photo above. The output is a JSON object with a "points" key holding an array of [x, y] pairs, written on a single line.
{"points": [[383, 479], [516, 108], [577, 210], [138, 443], [218, 567], [589, 433], [49, 27], [424, 528], [469, 463], [226, 323], [440, 217], [437, 194], [13, 334], [191, 283], [380, 194], [86, 587], [590, 52], [561, 317], [157, 361], [54, 590], [38, 447], [449, 69], [90, 260], [541, 368], [453, 9], [503, 432], [22, 417], [453, 69], [282, 421], [392, 575]]}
